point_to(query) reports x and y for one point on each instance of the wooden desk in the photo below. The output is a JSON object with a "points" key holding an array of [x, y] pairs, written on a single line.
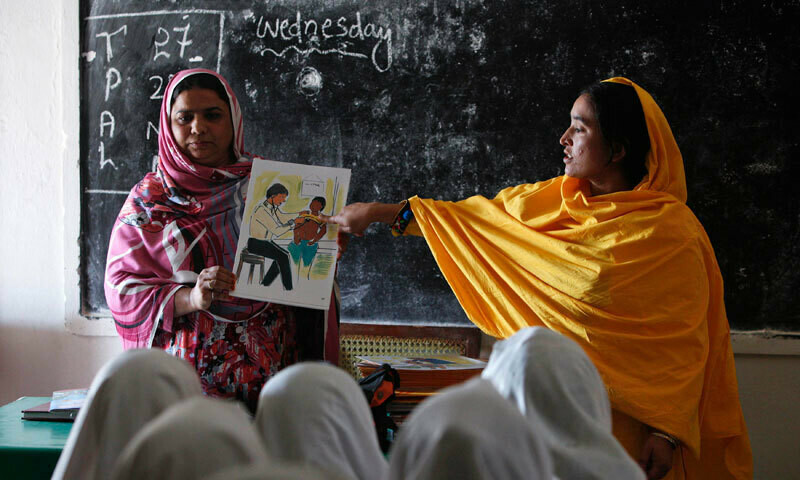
{"points": [[29, 449]]}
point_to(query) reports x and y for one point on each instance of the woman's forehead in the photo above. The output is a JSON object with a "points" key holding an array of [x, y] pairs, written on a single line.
{"points": [[583, 109], [198, 99]]}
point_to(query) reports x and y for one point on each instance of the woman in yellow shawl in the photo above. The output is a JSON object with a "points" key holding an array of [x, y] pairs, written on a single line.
{"points": [[609, 255]]}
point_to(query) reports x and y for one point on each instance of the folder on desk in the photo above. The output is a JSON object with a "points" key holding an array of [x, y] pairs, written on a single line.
{"points": [[62, 407], [43, 412]]}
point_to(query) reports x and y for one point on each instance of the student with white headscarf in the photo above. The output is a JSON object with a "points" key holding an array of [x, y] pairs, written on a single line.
{"points": [[468, 432], [273, 470], [197, 437], [315, 413], [126, 393], [555, 385]]}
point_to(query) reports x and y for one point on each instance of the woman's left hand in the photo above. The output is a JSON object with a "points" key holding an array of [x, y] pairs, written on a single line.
{"points": [[656, 457], [213, 283]]}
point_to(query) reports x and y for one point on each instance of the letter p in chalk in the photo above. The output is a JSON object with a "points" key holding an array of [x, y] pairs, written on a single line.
{"points": [[112, 72]]}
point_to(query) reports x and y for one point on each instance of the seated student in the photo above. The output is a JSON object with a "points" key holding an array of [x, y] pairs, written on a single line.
{"points": [[468, 432], [272, 470], [555, 385], [315, 413], [197, 437], [126, 393]]}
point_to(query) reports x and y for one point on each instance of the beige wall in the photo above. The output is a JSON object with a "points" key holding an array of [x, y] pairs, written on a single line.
{"points": [[769, 389], [38, 137]]}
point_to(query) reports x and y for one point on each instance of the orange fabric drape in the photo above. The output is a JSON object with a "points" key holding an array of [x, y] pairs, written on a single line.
{"points": [[630, 275]]}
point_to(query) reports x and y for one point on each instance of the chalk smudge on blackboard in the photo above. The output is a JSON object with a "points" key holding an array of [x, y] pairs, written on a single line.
{"points": [[352, 297], [381, 106], [476, 40], [762, 168], [250, 90], [309, 81]]}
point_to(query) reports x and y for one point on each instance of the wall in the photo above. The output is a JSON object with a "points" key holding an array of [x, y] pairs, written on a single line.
{"points": [[38, 113], [769, 388], [38, 137]]}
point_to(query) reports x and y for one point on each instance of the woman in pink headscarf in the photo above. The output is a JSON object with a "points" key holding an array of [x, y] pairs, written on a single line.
{"points": [[169, 263]]}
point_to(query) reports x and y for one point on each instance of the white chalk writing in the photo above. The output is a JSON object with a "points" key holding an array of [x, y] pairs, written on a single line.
{"points": [[327, 37], [103, 160], [159, 83], [158, 44], [113, 81], [112, 72], [108, 192], [153, 128], [109, 49], [182, 42], [108, 122]]}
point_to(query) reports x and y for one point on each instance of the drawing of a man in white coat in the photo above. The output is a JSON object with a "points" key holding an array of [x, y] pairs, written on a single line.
{"points": [[267, 223]]}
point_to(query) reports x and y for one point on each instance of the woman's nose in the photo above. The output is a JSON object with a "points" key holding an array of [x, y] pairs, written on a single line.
{"points": [[564, 138], [198, 126]]}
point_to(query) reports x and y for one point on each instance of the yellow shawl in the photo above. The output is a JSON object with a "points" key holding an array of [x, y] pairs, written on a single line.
{"points": [[630, 275]]}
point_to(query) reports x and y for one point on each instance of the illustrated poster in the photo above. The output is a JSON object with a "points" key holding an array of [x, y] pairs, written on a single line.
{"points": [[286, 254]]}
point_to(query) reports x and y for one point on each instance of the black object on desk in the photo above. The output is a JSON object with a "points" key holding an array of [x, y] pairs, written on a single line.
{"points": [[44, 413]]}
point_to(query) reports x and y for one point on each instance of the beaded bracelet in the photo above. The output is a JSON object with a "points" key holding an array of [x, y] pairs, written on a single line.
{"points": [[666, 437], [402, 219]]}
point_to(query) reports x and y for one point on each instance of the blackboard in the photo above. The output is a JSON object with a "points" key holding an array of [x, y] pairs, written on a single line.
{"points": [[450, 98]]}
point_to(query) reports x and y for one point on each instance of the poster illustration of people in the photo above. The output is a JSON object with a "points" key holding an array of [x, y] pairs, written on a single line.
{"points": [[286, 254]]}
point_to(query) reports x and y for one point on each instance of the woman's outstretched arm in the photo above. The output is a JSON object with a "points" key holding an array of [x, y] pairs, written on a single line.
{"points": [[355, 218]]}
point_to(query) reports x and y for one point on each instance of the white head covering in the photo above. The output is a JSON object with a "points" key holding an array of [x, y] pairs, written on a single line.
{"points": [[126, 393], [316, 413], [273, 470], [197, 437], [556, 386], [468, 432]]}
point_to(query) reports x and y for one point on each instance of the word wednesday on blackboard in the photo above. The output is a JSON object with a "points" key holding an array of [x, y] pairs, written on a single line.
{"points": [[453, 98]]}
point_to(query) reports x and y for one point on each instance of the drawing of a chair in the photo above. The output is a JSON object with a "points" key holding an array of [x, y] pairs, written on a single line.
{"points": [[253, 260]]}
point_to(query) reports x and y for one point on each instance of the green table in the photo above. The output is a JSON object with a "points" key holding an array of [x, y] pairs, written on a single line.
{"points": [[29, 448]]}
